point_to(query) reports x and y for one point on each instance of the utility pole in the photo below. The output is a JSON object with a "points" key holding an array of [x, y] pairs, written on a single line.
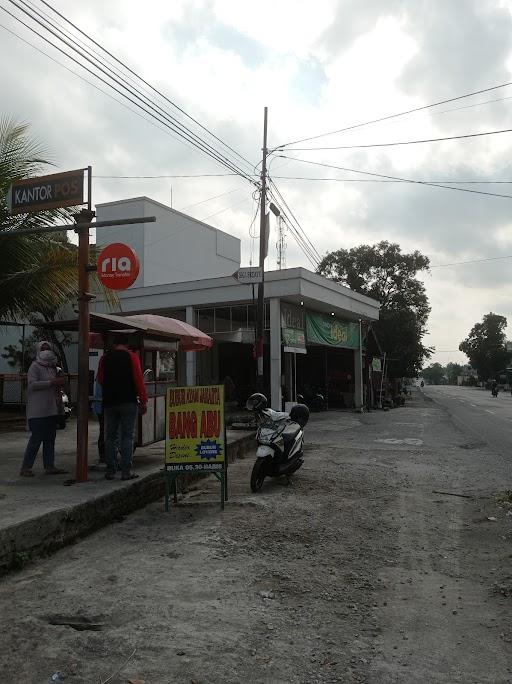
{"points": [[85, 216], [260, 328], [281, 244]]}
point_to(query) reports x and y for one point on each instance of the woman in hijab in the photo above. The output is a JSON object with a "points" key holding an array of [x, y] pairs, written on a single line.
{"points": [[43, 404]]}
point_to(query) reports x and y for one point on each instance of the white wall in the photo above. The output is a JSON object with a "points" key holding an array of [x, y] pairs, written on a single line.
{"points": [[175, 249]]}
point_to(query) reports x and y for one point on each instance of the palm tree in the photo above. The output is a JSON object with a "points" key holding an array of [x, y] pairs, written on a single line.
{"points": [[38, 273]]}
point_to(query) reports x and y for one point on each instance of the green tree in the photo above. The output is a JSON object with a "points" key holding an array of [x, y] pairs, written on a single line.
{"points": [[485, 346], [383, 272], [453, 370], [434, 374], [38, 272]]}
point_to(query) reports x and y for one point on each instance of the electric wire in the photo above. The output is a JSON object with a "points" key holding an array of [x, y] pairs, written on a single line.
{"points": [[146, 82], [90, 71], [175, 124], [112, 65], [377, 180], [403, 142], [96, 87], [256, 202], [209, 199], [301, 230], [168, 121], [172, 175], [473, 261], [299, 239], [403, 180], [393, 116], [221, 211]]}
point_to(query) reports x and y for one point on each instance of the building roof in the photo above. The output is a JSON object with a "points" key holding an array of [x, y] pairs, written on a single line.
{"points": [[296, 285]]}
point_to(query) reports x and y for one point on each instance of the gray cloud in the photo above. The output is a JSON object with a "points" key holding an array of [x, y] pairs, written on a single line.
{"points": [[461, 47]]}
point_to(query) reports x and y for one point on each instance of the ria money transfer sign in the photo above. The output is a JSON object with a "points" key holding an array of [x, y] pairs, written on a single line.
{"points": [[195, 436]]}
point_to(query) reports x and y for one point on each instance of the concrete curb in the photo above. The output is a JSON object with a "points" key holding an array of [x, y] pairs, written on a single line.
{"points": [[44, 534]]}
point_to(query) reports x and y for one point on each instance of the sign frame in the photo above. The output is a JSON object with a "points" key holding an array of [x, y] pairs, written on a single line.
{"points": [[254, 275], [51, 184], [195, 438]]}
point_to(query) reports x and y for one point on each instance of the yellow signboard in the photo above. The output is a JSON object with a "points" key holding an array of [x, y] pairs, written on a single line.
{"points": [[195, 435]]}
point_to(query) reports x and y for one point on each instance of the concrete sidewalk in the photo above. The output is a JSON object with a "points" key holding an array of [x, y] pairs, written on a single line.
{"points": [[39, 514]]}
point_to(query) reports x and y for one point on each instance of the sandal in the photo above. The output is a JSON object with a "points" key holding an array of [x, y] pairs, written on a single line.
{"points": [[56, 471], [130, 476], [26, 472]]}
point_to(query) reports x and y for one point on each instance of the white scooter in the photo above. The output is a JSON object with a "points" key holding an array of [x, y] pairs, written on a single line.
{"points": [[280, 438]]}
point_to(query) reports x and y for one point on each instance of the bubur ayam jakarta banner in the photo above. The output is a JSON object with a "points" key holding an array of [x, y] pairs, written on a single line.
{"points": [[195, 438]]}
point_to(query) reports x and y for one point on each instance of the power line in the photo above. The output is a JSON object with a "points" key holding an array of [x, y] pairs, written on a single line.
{"points": [[209, 199], [403, 142], [396, 178], [306, 238], [176, 125], [173, 175], [306, 178], [96, 87], [473, 261], [376, 180], [146, 82], [298, 233], [299, 239], [221, 211], [393, 116], [169, 121]]}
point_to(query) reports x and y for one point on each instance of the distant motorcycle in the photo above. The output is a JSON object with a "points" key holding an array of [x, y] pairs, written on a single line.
{"points": [[280, 439], [315, 401]]}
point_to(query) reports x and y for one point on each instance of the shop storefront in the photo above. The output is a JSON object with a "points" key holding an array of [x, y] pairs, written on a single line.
{"points": [[312, 334]]}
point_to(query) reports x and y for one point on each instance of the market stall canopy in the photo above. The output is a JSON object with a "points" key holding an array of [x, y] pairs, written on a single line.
{"points": [[160, 327], [191, 339]]}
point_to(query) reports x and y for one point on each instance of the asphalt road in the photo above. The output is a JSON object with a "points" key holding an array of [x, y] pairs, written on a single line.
{"points": [[484, 419]]}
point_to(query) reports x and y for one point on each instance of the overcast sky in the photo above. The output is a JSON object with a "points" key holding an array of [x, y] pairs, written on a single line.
{"points": [[319, 67]]}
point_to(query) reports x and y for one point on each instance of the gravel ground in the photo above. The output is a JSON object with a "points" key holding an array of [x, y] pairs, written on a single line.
{"points": [[356, 572]]}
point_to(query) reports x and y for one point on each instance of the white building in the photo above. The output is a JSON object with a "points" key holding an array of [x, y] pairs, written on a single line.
{"points": [[175, 249], [312, 324]]}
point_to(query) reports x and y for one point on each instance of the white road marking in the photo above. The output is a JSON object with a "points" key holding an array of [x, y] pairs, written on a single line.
{"points": [[488, 411], [406, 440], [473, 405]]}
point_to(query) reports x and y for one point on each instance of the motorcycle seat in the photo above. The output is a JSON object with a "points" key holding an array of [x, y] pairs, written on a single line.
{"points": [[290, 432]]}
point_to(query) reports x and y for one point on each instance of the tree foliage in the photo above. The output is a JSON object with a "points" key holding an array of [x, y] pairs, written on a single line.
{"points": [[383, 272], [485, 346], [434, 374], [452, 372], [437, 374], [38, 273]]}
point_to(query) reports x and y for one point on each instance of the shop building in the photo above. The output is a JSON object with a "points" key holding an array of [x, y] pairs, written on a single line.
{"points": [[317, 332]]}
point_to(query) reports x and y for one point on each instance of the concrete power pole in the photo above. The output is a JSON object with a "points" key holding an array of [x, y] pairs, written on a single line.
{"points": [[260, 327]]}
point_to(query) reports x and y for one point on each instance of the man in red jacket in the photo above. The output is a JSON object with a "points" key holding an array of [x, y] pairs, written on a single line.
{"points": [[124, 394]]}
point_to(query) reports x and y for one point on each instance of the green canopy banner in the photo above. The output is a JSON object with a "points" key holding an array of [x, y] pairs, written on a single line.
{"points": [[292, 326], [330, 331]]}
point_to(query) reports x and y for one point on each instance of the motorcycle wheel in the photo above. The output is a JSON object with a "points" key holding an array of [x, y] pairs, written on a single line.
{"points": [[258, 474]]}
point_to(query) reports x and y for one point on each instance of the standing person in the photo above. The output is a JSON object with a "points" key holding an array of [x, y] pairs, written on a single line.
{"points": [[44, 403], [124, 394]]}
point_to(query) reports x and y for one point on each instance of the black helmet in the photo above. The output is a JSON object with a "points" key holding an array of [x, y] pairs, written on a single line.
{"points": [[256, 402], [300, 414]]}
